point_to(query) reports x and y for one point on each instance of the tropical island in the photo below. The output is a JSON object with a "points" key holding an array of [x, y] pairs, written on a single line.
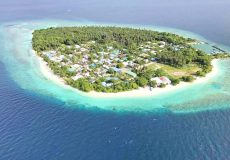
{"points": [[115, 59]]}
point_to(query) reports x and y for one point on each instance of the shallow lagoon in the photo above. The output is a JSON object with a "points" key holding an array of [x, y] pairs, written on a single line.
{"points": [[23, 67], [36, 126]]}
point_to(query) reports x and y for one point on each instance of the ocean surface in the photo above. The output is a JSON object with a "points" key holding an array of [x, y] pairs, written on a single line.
{"points": [[40, 120]]}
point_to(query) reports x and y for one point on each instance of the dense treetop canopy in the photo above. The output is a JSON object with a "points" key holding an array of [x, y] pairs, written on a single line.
{"points": [[48, 39]]}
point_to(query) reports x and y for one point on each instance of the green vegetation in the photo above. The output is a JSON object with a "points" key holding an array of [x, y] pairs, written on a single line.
{"points": [[162, 85], [114, 59], [176, 72], [175, 81], [53, 38], [188, 78], [221, 55]]}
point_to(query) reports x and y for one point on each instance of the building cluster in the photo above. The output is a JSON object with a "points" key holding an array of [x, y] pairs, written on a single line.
{"points": [[108, 63]]}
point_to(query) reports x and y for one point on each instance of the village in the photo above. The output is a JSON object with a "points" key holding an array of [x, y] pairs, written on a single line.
{"points": [[109, 64]]}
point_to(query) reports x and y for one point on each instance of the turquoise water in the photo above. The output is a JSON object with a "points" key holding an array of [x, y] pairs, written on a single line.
{"points": [[23, 67], [38, 122]]}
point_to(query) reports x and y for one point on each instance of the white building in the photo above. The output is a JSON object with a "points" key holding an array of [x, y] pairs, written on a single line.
{"points": [[161, 80], [76, 65], [83, 49], [77, 46], [77, 77], [153, 52]]}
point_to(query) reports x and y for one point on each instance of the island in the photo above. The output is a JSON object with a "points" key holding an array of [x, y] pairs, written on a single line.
{"points": [[118, 59]]}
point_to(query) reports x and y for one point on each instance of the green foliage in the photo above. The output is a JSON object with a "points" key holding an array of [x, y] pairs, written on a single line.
{"points": [[188, 78], [200, 73], [142, 81], [83, 84], [120, 65], [153, 84], [134, 85], [174, 81], [221, 55], [159, 73], [162, 85], [184, 56], [147, 74], [52, 38]]}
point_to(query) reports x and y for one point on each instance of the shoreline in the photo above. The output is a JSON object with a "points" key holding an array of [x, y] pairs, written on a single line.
{"points": [[48, 74]]}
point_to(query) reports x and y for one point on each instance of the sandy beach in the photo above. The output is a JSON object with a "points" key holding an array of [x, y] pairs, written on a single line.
{"points": [[141, 92]]}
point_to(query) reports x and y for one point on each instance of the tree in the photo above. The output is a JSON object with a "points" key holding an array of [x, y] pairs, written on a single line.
{"points": [[153, 84], [188, 78], [142, 81], [120, 65], [174, 81], [159, 73], [134, 85], [162, 85], [83, 84], [200, 73]]}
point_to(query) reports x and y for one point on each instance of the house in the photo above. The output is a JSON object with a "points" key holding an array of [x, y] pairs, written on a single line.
{"points": [[61, 57], [163, 43], [161, 80], [111, 78], [146, 60], [109, 47], [116, 52], [92, 80], [77, 46], [146, 50], [50, 54], [63, 63], [95, 60], [106, 84], [153, 59], [85, 56], [134, 75], [83, 49], [87, 74], [144, 55], [55, 59], [126, 63], [116, 69], [93, 65], [106, 67], [130, 63], [153, 52], [92, 42], [129, 72], [71, 69], [76, 66], [77, 77]]}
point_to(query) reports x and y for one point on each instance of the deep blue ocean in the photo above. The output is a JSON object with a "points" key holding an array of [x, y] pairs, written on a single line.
{"points": [[38, 127]]}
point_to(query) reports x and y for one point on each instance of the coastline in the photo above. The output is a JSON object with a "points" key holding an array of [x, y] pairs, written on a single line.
{"points": [[23, 66], [48, 74]]}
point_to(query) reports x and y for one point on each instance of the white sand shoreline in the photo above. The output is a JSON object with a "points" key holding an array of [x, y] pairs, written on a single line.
{"points": [[141, 92]]}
